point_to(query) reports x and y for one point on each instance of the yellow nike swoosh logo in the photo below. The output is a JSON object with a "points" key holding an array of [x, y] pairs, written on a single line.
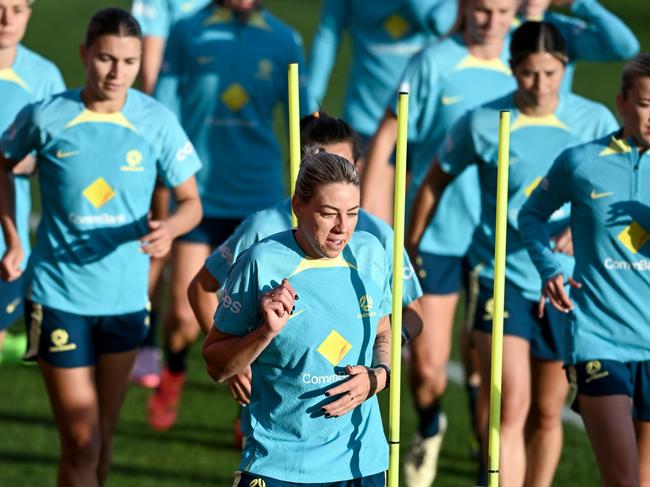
{"points": [[62, 155], [11, 307], [451, 100], [297, 313], [595, 196]]}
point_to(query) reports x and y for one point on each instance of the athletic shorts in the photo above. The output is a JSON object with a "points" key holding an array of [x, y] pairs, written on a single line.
{"points": [[546, 335], [246, 479], [441, 274], [11, 302], [609, 377], [211, 231], [69, 340]]}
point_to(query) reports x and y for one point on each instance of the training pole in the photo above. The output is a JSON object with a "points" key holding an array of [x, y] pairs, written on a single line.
{"points": [[294, 131], [499, 291], [398, 278]]}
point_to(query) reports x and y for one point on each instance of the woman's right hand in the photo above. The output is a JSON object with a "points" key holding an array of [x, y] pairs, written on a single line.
{"points": [[10, 264], [277, 306], [555, 292]]}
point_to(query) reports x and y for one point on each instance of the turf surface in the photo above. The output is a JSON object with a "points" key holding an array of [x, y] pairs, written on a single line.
{"points": [[197, 451]]}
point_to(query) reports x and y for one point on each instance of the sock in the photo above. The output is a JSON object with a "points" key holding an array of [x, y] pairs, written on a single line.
{"points": [[150, 339], [176, 361], [429, 424]]}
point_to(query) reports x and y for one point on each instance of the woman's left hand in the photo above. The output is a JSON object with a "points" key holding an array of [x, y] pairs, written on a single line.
{"points": [[158, 242], [363, 383]]}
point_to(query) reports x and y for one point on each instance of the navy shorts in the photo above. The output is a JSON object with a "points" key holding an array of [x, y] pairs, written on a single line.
{"points": [[441, 274], [246, 479], [11, 302], [546, 335], [69, 340], [609, 377], [211, 231]]}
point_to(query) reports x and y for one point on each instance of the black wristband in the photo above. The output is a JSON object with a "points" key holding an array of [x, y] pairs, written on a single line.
{"points": [[387, 369]]}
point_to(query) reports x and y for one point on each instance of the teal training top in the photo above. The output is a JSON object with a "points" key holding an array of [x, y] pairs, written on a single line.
{"points": [[607, 182], [96, 173], [334, 324], [29, 79], [276, 219], [384, 37], [444, 81], [535, 142], [224, 80], [156, 17]]}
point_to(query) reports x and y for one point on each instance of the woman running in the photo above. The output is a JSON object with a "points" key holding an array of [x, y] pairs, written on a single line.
{"points": [[545, 121], [98, 151], [607, 182], [308, 309]]}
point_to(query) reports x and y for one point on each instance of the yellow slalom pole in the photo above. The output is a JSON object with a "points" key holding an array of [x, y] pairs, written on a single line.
{"points": [[294, 131], [398, 277], [499, 291]]}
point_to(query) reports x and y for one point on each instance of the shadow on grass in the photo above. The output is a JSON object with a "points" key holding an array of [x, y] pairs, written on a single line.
{"points": [[28, 419]]}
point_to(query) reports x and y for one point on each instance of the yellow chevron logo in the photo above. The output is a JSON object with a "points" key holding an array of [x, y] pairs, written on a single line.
{"points": [[99, 192], [634, 236], [334, 347]]}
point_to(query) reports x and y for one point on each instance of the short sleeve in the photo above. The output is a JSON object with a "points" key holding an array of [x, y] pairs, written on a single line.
{"points": [[411, 289], [168, 86], [386, 307], [458, 150], [239, 307], [22, 136], [153, 16], [178, 160]]}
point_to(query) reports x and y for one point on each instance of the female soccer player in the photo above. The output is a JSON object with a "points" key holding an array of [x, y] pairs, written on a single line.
{"points": [[335, 136], [225, 72], [383, 38], [25, 77], [444, 80], [607, 182], [98, 151], [308, 309], [545, 121]]}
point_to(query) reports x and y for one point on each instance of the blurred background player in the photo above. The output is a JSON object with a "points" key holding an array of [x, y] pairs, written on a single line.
{"points": [[25, 77], [384, 38], [545, 121], [307, 309], [95, 238], [607, 182], [156, 19], [225, 72], [444, 80]]}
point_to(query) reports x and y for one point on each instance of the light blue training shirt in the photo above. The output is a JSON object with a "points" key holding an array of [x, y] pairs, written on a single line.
{"points": [[334, 324], [96, 173], [156, 17], [607, 182], [535, 142], [30, 78], [224, 79]]}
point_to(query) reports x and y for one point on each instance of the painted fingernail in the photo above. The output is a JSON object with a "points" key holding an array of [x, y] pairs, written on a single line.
{"points": [[328, 415], [296, 297]]}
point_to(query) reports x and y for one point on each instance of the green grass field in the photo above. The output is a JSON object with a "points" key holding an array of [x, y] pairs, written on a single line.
{"points": [[197, 451]]}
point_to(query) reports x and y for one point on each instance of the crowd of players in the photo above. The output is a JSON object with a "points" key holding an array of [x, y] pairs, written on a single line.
{"points": [[192, 178]]}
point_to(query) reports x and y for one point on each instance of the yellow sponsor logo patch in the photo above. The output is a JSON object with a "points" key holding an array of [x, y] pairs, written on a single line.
{"points": [[235, 97], [594, 371], [396, 26], [634, 236], [133, 161], [99, 192], [334, 347], [528, 190], [59, 339], [489, 311], [11, 307]]}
